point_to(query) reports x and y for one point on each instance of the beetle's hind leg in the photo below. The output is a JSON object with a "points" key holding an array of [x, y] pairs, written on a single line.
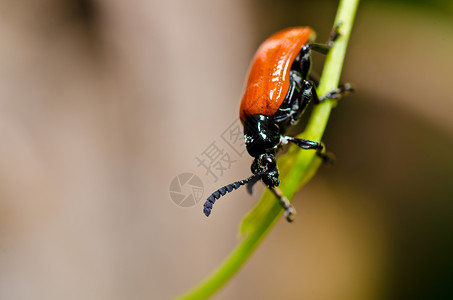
{"points": [[290, 211], [304, 58], [305, 66], [324, 48], [334, 34]]}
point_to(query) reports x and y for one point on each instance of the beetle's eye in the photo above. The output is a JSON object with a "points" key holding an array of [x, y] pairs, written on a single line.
{"points": [[269, 162]]}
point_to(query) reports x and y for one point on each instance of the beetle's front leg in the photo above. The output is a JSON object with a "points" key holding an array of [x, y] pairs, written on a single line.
{"points": [[307, 145], [290, 211], [302, 143]]}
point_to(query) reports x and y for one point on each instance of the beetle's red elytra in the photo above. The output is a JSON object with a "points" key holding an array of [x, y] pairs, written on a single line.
{"points": [[268, 80]]}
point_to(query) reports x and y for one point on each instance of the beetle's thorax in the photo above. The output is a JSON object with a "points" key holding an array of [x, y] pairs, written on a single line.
{"points": [[261, 135]]}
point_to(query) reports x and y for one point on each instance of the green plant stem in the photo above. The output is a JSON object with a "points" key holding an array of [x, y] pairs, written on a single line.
{"points": [[296, 167]]}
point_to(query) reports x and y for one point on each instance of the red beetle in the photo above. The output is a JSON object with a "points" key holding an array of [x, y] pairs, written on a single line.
{"points": [[279, 89]]}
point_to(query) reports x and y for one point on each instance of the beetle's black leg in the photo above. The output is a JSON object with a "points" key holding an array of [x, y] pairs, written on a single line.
{"points": [[305, 65], [320, 48], [307, 144], [290, 211], [296, 101], [334, 94], [304, 58], [327, 157], [324, 48], [304, 144], [334, 34]]}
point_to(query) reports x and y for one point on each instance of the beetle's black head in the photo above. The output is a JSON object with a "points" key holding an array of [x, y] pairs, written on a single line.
{"points": [[261, 135], [266, 165]]}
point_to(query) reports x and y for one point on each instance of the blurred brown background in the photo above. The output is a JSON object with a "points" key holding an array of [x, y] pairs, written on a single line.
{"points": [[103, 103]]}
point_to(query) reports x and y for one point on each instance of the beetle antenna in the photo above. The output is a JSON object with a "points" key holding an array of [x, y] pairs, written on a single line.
{"points": [[227, 189]]}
